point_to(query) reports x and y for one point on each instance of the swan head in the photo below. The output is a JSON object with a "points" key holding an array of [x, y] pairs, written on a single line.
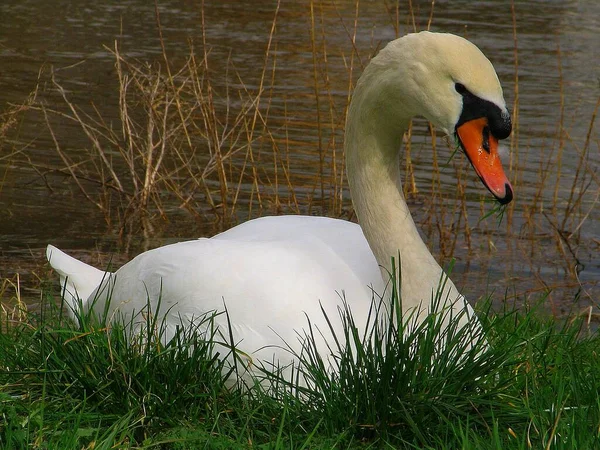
{"points": [[450, 82]]}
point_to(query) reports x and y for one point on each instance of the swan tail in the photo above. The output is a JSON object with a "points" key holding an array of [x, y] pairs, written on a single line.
{"points": [[77, 279]]}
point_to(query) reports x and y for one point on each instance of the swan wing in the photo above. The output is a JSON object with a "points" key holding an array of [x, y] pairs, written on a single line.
{"points": [[77, 279], [270, 274]]}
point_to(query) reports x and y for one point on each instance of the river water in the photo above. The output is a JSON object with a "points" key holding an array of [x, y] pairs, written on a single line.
{"points": [[545, 52]]}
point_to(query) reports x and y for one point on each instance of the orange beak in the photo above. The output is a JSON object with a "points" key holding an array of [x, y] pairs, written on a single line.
{"points": [[481, 147]]}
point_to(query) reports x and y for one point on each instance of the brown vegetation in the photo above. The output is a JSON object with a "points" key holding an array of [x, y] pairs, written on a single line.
{"points": [[229, 151]]}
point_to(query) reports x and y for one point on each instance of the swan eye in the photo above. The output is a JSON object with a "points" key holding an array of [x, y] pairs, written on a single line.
{"points": [[460, 88], [486, 139]]}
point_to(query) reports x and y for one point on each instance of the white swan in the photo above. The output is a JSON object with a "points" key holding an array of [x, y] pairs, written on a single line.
{"points": [[273, 272]]}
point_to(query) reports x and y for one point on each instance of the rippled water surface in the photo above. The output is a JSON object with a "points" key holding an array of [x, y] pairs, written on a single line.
{"points": [[554, 56]]}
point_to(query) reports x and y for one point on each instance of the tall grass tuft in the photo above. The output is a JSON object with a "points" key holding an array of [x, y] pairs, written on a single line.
{"points": [[531, 383]]}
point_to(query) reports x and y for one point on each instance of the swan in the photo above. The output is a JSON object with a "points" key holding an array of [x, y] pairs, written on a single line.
{"points": [[273, 273]]}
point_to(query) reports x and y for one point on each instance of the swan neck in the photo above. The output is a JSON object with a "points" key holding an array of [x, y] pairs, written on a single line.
{"points": [[373, 142]]}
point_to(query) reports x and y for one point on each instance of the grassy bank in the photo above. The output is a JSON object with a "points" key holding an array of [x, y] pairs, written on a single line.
{"points": [[534, 386]]}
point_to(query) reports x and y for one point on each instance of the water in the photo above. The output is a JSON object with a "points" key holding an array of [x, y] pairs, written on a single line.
{"points": [[558, 63]]}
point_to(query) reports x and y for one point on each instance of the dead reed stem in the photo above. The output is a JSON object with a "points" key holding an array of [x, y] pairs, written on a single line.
{"points": [[514, 138]]}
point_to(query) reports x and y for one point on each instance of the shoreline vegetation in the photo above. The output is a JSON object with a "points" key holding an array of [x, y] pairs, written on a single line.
{"points": [[532, 382], [227, 152], [198, 141]]}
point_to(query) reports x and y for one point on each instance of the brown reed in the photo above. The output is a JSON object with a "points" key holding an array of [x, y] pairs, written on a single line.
{"points": [[203, 138]]}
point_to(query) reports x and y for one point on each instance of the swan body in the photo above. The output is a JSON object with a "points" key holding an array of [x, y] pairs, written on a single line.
{"points": [[274, 273], [270, 273]]}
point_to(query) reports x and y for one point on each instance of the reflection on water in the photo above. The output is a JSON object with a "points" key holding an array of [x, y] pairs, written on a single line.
{"points": [[557, 72]]}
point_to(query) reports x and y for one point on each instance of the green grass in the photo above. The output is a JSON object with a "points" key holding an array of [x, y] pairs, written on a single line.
{"points": [[532, 383]]}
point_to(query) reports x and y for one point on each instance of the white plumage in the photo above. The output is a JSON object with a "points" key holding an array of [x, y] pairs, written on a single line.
{"points": [[274, 272]]}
